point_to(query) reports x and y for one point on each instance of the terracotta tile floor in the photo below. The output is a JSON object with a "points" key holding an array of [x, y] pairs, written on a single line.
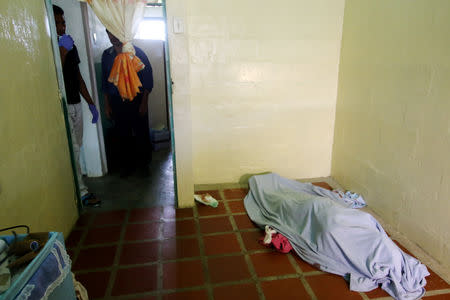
{"points": [[199, 253]]}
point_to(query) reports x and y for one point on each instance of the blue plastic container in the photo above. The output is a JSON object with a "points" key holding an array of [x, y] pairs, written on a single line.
{"points": [[65, 290]]}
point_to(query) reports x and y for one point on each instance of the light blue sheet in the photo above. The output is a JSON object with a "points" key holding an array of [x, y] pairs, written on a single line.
{"points": [[333, 237]]}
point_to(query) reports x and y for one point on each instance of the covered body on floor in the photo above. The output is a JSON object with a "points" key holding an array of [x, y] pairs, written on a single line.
{"points": [[327, 233]]}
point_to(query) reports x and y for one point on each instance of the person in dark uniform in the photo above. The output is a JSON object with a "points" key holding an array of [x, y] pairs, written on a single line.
{"points": [[130, 117], [74, 86]]}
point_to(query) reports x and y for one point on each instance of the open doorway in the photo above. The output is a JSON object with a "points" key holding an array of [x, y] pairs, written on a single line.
{"points": [[149, 185]]}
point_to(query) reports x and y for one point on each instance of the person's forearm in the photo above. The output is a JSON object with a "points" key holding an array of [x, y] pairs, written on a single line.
{"points": [[145, 96], [106, 97], [143, 109], [108, 110], [63, 53], [84, 91]]}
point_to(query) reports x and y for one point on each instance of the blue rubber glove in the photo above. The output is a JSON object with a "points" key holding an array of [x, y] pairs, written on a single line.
{"points": [[94, 112], [66, 41]]}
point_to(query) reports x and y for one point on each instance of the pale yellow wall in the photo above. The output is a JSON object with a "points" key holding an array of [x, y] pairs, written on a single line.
{"points": [[257, 85], [392, 134], [36, 183], [181, 98]]}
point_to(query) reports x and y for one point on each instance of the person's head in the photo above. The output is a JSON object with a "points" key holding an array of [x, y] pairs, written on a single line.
{"points": [[59, 20], [114, 40]]}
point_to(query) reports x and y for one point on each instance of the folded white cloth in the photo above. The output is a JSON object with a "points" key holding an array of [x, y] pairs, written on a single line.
{"points": [[268, 236]]}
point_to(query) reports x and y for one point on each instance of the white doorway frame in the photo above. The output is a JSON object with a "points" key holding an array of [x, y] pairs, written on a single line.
{"points": [[92, 78]]}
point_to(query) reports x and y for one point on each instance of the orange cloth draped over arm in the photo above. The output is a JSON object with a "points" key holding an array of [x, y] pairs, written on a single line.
{"points": [[122, 18], [124, 75]]}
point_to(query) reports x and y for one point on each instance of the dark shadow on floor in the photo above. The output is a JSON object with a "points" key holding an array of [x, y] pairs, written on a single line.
{"points": [[138, 189]]}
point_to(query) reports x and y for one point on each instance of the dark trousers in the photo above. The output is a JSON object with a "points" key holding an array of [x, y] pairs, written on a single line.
{"points": [[132, 130]]}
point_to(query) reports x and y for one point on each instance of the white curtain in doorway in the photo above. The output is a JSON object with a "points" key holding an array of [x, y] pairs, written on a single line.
{"points": [[122, 18]]}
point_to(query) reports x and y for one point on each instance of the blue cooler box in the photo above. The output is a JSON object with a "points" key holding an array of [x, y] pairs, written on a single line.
{"points": [[160, 139], [61, 288], [159, 135]]}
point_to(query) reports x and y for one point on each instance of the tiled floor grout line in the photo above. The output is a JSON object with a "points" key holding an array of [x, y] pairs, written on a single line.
{"points": [[279, 277], [139, 241], [227, 232], [85, 247], [161, 220], [115, 267], [192, 258], [247, 281], [308, 288], [161, 293], [163, 238], [235, 282], [301, 276], [99, 226], [85, 229], [157, 293], [77, 249], [313, 273], [213, 216], [116, 262], [247, 259], [208, 285], [437, 292], [221, 215], [222, 194], [299, 273], [363, 296], [204, 259]]}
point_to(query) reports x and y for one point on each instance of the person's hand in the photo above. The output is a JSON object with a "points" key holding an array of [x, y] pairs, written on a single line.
{"points": [[143, 108], [66, 41], [94, 112], [108, 111]]}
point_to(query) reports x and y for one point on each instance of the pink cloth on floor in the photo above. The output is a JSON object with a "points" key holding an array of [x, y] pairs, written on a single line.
{"points": [[279, 242]]}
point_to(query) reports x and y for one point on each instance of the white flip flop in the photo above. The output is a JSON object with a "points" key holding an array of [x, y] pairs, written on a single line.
{"points": [[206, 199]]}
